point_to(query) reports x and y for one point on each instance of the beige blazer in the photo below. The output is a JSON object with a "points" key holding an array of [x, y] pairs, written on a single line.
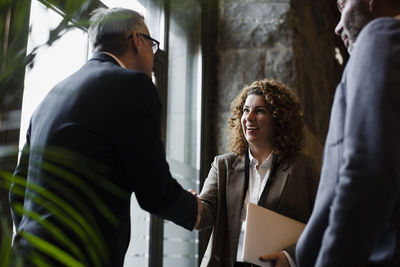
{"points": [[292, 194]]}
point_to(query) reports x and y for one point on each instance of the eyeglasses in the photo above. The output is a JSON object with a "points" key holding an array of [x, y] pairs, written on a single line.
{"points": [[154, 43]]}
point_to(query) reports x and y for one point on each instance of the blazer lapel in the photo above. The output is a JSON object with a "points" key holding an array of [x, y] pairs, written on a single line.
{"points": [[278, 184], [234, 197]]}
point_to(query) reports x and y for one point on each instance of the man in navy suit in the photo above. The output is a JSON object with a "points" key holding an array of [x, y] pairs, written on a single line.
{"points": [[356, 216], [93, 141]]}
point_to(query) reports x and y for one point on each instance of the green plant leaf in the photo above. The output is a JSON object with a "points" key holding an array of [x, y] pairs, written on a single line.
{"points": [[55, 231], [5, 244], [51, 250], [65, 214]]}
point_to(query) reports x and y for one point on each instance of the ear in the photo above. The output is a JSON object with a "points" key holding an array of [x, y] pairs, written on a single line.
{"points": [[371, 5], [135, 42]]}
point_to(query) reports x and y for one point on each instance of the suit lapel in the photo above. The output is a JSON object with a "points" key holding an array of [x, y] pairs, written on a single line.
{"points": [[234, 197], [235, 194], [278, 184]]}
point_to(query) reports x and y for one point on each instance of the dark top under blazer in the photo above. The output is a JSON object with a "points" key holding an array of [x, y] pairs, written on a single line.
{"points": [[110, 117]]}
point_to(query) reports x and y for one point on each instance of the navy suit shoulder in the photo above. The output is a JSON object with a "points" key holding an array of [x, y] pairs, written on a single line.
{"points": [[355, 219]]}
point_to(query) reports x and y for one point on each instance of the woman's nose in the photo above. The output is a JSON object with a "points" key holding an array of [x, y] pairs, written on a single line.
{"points": [[250, 116]]}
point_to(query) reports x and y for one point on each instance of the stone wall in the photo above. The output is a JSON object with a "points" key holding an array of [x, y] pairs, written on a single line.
{"points": [[291, 41]]}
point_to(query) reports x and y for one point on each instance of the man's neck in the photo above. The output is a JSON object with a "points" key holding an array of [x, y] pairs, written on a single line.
{"points": [[116, 59]]}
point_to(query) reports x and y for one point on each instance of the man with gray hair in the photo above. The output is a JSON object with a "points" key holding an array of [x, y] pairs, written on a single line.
{"points": [[356, 216], [93, 141]]}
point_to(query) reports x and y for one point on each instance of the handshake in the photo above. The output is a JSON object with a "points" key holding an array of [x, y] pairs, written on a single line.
{"points": [[199, 208], [280, 258]]}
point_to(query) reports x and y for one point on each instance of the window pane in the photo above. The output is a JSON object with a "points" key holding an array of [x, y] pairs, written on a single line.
{"points": [[138, 250], [131, 4], [52, 63], [183, 121], [154, 19]]}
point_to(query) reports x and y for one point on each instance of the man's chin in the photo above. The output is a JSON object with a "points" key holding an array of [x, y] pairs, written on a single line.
{"points": [[350, 47]]}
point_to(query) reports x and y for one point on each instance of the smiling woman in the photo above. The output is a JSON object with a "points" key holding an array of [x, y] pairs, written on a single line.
{"points": [[257, 125], [279, 102], [265, 168]]}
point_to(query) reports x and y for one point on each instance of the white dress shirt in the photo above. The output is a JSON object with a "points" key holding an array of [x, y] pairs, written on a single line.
{"points": [[257, 180], [121, 64]]}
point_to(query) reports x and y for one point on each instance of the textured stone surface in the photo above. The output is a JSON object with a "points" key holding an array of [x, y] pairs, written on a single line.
{"points": [[221, 140], [291, 41], [237, 68], [255, 42], [317, 70], [279, 64], [254, 24]]}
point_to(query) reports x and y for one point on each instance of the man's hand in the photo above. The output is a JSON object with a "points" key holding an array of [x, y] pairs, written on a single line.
{"points": [[199, 208], [279, 259]]}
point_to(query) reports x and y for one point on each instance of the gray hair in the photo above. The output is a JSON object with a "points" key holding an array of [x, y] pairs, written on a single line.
{"points": [[109, 29]]}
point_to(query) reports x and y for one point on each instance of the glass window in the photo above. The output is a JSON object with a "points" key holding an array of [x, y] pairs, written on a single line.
{"points": [[155, 19], [52, 63], [183, 121]]}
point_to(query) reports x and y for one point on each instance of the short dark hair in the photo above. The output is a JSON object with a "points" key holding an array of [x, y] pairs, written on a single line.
{"points": [[109, 29]]}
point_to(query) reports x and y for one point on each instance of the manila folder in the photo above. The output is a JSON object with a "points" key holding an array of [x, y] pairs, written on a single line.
{"points": [[267, 232]]}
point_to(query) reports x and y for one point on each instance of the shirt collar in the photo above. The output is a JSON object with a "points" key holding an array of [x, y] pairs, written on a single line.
{"points": [[116, 59], [267, 161]]}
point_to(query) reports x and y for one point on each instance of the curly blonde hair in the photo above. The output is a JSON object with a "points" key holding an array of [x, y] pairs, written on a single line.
{"points": [[286, 112]]}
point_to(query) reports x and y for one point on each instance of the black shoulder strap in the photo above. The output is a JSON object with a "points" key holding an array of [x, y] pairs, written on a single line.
{"points": [[246, 175], [274, 167]]}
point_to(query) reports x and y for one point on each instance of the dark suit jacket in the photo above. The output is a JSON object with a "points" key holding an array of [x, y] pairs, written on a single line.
{"points": [[93, 141], [292, 194], [356, 217]]}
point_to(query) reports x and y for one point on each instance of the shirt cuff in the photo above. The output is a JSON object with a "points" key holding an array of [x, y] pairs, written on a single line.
{"points": [[291, 261]]}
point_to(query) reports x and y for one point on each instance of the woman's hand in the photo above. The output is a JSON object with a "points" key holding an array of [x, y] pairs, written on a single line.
{"points": [[279, 259]]}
